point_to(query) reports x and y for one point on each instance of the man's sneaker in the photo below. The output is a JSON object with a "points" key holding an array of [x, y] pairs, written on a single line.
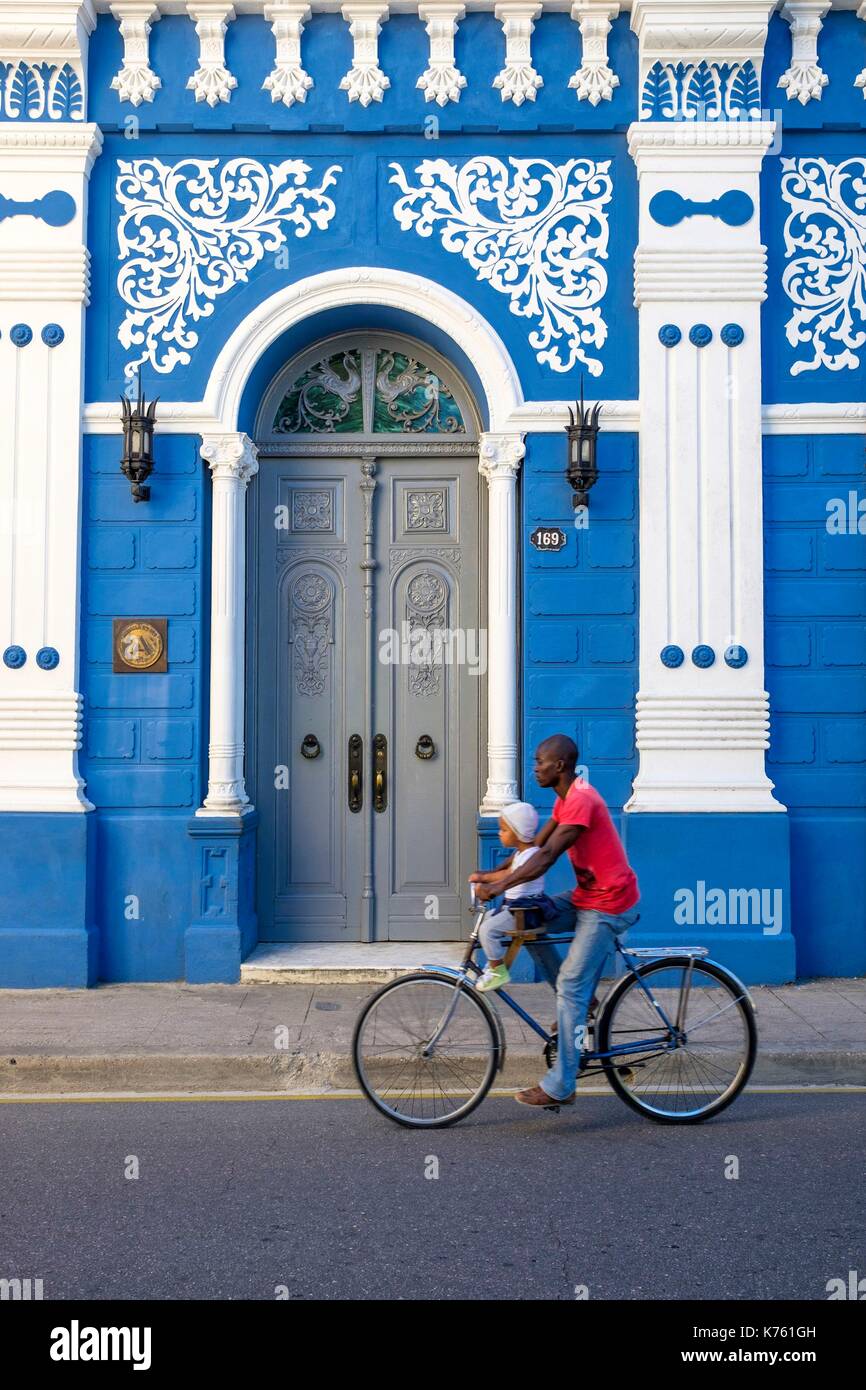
{"points": [[494, 977]]}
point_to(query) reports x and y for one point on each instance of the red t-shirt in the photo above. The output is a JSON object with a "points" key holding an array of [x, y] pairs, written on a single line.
{"points": [[605, 879]]}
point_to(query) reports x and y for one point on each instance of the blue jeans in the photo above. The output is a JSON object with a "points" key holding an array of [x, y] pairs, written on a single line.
{"points": [[575, 980]]}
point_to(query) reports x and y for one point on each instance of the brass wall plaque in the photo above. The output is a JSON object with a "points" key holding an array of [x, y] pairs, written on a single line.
{"points": [[140, 645]]}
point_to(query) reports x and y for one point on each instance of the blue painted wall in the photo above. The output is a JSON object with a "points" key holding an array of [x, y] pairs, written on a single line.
{"points": [[815, 603], [145, 735], [327, 130], [580, 621]]}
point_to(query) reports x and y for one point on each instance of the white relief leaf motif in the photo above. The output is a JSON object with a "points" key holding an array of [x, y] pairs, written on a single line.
{"points": [[534, 231], [189, 232], [825, 241]]}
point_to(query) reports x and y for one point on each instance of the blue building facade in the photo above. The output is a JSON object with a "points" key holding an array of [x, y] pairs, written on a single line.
{"points": [[370, 256]]}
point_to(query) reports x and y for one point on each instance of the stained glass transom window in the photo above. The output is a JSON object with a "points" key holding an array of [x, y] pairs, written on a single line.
{"points": [[374, 390]]}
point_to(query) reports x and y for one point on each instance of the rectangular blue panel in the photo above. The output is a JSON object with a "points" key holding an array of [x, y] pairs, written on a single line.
{"points": [[141, 692], [142, 596]]}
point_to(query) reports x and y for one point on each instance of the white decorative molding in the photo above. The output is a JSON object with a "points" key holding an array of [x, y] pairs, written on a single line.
{"points": [[730, 276], [860, 80], [825, 243], [724, 737], [700, 62], [441, 82], [136, 81], [594, 80], [64, 275], [530, 252], [533, 417], [518, 81], [224, 216], [500, 457], [40, 738], [212, 82], [365, 81], [815, 417], [804, 79], [233, 461], [44, 42], [288, 82], [361, 285]]}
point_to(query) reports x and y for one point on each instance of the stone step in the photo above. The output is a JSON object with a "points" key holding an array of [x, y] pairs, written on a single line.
{"points": [[339, 962]]}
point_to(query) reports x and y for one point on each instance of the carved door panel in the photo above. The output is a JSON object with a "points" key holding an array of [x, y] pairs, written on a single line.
{"points": [[427, 705], [309, 699]]}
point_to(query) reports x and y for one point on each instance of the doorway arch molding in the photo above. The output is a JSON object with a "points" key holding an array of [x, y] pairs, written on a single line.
{"points": [[233, 460]]}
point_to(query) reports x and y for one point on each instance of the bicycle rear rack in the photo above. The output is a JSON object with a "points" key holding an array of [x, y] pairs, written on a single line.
{"points": [[659, 951]]}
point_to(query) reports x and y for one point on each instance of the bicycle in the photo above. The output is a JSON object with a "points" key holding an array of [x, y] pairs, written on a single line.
{"points": [[427, 1046]]}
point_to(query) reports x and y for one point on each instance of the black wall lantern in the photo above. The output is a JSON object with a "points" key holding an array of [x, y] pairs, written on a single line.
{"points": [[582, 471], [137, 461]]}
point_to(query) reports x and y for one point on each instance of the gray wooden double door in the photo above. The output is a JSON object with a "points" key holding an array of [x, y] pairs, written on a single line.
{"points": [[366, 734]]}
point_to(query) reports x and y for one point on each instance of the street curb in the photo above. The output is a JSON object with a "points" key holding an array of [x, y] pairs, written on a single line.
{"points": [[288, 1072]]}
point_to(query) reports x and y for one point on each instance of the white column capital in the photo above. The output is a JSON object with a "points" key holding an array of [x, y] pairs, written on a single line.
{"points": [[230, 456], [500, 456]]}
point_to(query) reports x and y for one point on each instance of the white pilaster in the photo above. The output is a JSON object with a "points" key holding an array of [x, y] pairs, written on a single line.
{"points": [[860, 80], [518, 80], [212, 82], [288, 82], [136, 81], [500, 456], [233, 461], [805, 78], [43, 292], [702, 711], [441, 82], [365, 81], [594, 80]]}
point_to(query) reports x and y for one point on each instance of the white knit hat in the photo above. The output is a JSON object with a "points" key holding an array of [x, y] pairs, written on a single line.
{"points": [[522, 818]]}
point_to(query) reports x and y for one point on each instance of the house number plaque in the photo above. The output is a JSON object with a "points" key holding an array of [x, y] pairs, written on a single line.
{"points": [[140, 645]]}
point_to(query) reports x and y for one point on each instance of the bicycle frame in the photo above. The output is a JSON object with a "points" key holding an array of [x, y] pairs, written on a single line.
{"points": [[648, 1045]]}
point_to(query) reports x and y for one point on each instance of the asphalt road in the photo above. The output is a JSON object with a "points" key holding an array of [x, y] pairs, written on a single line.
{"points": [[329, 1200]]}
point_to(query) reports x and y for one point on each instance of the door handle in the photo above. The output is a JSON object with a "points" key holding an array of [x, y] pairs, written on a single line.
{"points": [[356, 772], [380, 775]]}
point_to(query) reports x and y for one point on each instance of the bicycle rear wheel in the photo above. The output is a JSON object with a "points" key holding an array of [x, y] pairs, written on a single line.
{"points": [[699, 1070], [393, 1033]]}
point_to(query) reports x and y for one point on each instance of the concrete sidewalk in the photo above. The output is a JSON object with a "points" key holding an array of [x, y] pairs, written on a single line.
{"points": [[263, 1037]]}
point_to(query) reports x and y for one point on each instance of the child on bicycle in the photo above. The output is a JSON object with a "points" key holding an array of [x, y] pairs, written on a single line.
{"points": [[517, 826]]}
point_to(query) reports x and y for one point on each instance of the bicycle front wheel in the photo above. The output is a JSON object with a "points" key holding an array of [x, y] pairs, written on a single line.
{"points": [[694, 1069], [426, 1049]]}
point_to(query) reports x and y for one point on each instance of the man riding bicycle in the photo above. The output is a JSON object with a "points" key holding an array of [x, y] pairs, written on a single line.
{"points": [[600, 908]]}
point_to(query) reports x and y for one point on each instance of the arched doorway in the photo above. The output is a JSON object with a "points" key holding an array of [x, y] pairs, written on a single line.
{"points": [[367, 643]]}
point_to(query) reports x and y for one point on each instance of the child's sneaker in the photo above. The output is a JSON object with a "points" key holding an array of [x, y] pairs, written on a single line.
{"points": [[494, 977]]}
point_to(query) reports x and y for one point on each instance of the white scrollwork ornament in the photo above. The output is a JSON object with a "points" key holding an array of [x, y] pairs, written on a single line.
{"points": [[534, 231], [189, 232], [825, 241]]}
